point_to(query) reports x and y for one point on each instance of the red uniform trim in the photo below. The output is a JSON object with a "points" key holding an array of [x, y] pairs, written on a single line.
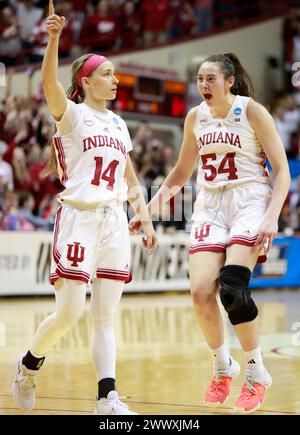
{"points": [[217, 247], [61, 159], [69, 274], [118, 275]]}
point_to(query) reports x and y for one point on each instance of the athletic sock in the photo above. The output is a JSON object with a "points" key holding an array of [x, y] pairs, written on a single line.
{"points": [[105, 386], [32, 362], [254, 360], [221, 356]]}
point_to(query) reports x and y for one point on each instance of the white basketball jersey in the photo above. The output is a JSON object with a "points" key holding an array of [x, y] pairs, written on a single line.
{"points": [[229, 150], [91, 150]]}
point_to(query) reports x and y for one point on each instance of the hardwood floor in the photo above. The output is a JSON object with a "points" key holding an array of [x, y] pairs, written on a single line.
{"points": [[163, 363]]}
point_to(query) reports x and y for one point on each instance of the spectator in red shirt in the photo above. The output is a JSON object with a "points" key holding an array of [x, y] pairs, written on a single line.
{"points": [[156, 20], [101, 31], [130, 25], [78, 5], [42, 185]]}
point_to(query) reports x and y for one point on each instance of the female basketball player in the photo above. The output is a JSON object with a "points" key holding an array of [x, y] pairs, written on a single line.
{"points": [[91, 239], [235, 216]]}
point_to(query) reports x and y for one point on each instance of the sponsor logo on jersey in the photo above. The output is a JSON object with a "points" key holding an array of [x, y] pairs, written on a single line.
{"points": [[116, 121], [219, 125], [106, 130], [202, 121], [237, 119], [237, 111], [88, 121]]}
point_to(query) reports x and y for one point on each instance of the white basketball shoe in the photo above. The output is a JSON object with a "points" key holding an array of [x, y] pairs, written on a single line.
{"points": [[112, 406], [24, 385]]}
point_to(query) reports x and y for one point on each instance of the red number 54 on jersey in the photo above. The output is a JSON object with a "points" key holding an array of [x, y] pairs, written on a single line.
{"points": [[227, 165]]}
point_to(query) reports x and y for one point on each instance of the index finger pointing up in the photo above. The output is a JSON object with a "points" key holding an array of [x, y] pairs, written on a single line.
{"points": [[51, 8]]}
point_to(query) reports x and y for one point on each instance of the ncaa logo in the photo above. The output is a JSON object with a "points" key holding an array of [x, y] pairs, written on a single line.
{"points": [[116, 121], [88, 121], [237, 111]]}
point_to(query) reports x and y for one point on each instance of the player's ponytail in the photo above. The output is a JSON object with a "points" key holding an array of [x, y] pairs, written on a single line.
{"points": [[243, 84], [51, 166], [74, 92], [231, 66]]}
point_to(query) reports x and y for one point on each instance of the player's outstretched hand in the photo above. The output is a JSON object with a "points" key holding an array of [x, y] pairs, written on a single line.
{"points": [[267, 233], [150, 239], [54, 22]]}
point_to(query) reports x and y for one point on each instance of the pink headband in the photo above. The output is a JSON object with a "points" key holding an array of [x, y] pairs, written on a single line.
{"points": [[89, 66]]}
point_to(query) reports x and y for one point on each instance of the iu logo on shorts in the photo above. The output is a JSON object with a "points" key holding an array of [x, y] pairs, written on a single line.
{"points": [[202, 232], [75, 253]]}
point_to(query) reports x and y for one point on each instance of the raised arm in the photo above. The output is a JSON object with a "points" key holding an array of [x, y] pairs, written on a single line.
{"points": [[265, 129], [54, 92]]}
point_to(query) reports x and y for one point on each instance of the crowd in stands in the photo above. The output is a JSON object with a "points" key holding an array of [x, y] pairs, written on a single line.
{"points": [[28, 197], [112, 25]]}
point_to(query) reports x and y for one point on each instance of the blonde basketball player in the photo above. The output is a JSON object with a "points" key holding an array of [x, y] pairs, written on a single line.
{"points": [[91, 238], [235, 216]]}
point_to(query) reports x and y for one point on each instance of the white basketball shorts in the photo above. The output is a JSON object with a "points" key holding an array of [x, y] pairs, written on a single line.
{"points": [[90, 244], [229, 215]]}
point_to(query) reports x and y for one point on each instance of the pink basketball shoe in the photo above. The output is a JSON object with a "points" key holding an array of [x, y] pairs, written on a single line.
{"points": [[219, 388], [253, 392]]}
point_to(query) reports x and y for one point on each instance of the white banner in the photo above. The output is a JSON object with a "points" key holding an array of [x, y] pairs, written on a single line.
{"points": [[25, 260]]}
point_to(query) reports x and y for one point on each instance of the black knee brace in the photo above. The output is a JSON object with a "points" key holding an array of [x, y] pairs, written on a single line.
{"points": [[235, 295]]}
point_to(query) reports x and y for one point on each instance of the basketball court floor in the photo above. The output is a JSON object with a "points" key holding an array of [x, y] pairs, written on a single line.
{"points": [[163, 363]]}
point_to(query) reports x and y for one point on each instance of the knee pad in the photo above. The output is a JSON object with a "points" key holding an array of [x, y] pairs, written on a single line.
{"points": [[235, 294]]}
